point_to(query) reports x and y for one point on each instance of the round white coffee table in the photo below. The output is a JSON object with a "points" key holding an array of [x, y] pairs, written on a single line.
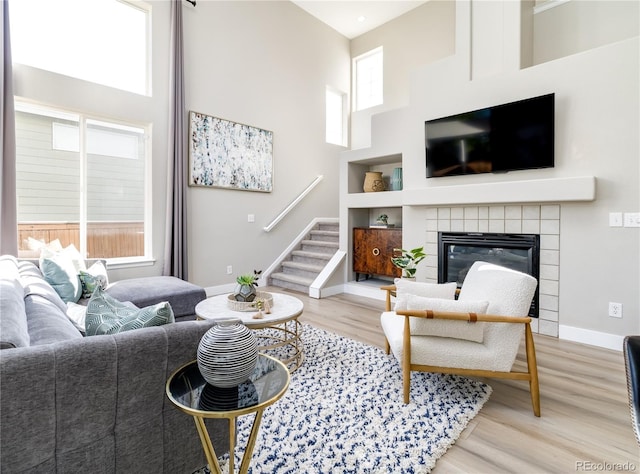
{"points": [[282, 335]]}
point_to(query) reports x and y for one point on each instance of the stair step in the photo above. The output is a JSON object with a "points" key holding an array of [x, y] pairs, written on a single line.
{"points": [[328, 235], [307, 267], [319, 246], [306, 256], [293, 278], [306, 263]]}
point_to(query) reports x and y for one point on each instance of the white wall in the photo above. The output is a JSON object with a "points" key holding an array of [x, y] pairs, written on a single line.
{"points": [[264, 64], [423, 35], [261, 63], [597, 134]]}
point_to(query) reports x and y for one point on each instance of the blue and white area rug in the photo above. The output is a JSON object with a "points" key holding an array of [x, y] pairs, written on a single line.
{"points": [[343, 413]]}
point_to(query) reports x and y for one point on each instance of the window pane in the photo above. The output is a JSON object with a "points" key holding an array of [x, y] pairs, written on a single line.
{"points": [[103, 41], [368, 80], [115, 191], [65, 195], [335, 117]]}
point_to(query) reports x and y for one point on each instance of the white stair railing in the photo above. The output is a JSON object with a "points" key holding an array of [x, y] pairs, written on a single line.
{"points": [[293, 204]]}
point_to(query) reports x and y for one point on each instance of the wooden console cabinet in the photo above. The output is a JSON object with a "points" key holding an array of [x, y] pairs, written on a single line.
{"points": [[373, 249]]}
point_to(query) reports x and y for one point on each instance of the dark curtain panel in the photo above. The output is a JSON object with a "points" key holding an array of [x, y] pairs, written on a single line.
{"points": [[175, 254], [8, 211]]}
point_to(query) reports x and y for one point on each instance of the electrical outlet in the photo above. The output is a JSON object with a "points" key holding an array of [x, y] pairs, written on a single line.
{"points": [[615, 219], [615, 310], [251, 217], [229, 269], [632, 219]]}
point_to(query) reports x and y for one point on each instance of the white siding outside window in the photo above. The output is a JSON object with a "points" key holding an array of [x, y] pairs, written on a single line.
{"points": [[96, 199]]}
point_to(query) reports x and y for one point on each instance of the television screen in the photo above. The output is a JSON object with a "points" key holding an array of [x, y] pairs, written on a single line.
{"points": [[508, 137]]}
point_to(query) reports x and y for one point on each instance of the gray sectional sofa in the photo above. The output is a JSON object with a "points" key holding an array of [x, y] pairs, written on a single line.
{"points": [[95, 404]]}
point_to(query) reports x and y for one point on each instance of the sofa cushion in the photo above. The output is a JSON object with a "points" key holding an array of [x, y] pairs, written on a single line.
{"points": [[93, 277], [13, 318], [447, 328], [181, 295], [61, 269], [107, 315], [47, 323]]}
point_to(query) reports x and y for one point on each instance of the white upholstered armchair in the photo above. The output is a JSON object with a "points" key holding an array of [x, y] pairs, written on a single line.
{"points": [[476, 335]]}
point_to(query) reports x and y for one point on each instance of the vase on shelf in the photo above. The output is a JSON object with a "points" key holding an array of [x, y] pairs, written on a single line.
{"points": [[396, 179], [373, 182], [227, 353]]}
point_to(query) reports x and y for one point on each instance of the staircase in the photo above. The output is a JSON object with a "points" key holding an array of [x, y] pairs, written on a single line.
{"points": [[301, 267]]}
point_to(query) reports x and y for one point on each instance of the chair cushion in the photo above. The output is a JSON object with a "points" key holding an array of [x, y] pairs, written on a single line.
{"points": [[405, 287], [106, 315], [443, 328]]}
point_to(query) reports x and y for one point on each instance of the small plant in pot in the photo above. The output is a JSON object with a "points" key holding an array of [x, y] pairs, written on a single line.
{"points": [[408, 260], [246, 289]]}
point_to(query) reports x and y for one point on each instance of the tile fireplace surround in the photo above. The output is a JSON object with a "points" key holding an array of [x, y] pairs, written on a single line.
{"points": [[510, 219]]}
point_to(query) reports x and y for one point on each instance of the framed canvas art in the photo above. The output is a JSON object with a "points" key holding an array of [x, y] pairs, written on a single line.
{"points": [[231, 155]]}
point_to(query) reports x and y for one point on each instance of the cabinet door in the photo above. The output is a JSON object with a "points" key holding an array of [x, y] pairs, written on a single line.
{"points": [[362, 257], [373, 249], [387, 240]]}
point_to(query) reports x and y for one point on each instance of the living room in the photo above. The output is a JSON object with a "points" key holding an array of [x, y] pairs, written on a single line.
{"points": [[268, 64]]}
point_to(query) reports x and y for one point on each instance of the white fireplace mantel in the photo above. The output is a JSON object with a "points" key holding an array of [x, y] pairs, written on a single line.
{"points": [[582, 188]]}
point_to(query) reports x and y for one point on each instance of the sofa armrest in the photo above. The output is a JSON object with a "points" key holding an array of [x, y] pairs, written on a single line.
{"points": [[103, 395]]}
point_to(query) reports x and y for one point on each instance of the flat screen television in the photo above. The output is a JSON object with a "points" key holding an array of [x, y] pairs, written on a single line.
{"points": [[507, 137]]}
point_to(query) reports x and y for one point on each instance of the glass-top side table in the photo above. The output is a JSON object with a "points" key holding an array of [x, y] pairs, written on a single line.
{"points": [[189, 392]]}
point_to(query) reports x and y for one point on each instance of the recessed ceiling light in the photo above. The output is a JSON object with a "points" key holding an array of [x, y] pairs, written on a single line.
{"points": [[361, 18]]}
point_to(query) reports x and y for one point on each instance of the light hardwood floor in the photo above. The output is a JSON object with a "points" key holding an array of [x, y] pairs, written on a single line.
{"points": [[585, 423]]}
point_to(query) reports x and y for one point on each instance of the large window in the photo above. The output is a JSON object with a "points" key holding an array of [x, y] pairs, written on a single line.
{"points": [[82, 181], [102, 41], [367, 71]]}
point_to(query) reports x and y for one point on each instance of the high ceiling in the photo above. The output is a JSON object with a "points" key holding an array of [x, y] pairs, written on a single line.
{"points": [[354, 18]]}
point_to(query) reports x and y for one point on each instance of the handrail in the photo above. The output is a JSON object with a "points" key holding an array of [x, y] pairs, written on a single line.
{"points": [[293, 204]]}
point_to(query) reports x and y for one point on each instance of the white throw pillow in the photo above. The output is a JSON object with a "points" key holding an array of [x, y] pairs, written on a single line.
{"points": [[405, 287], [446, 328]]}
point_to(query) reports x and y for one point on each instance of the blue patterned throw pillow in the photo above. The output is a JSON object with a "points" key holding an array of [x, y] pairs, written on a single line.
{"points": [[106, 315], [93, 277]]}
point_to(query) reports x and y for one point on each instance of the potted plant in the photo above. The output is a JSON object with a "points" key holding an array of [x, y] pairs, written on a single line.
{"points": [[408, 260], [246, 288], [382, 219]]}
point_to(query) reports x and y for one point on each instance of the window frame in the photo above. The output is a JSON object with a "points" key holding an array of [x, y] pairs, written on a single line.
{"points": [[357, 93], [83, 118], [342, 97]]}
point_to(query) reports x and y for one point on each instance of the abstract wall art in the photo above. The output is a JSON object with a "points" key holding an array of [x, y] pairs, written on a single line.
{"points": [[231, 155]]}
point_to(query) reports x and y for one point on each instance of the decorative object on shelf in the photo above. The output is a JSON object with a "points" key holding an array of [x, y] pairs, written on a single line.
{"points": [[396, 179], [382, 222], [246, 289], [373, 182], [227, 353], [262, 297], [408, 260], [231, 155]]}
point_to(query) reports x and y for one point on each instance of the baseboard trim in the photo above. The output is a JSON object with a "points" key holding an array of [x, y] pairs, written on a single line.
{"points": [[592, 338]]}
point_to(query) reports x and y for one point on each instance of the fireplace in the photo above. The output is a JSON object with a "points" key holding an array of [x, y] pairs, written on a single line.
{"points": [[457, 251]]}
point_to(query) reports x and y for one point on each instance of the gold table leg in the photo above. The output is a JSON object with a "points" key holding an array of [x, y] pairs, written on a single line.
{"points": [[248, 452], [209, 452]]}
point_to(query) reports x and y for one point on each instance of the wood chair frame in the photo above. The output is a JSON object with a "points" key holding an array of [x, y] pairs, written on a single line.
{"points": [[531, 375]]}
